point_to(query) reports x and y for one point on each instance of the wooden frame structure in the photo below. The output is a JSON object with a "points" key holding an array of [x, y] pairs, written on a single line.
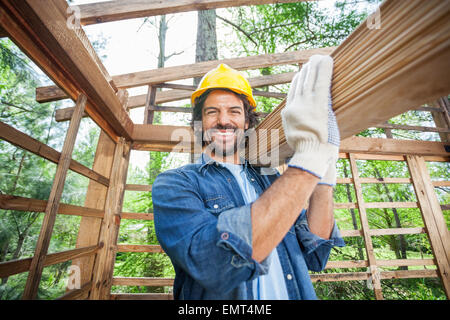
{"points": [[67, 57]]}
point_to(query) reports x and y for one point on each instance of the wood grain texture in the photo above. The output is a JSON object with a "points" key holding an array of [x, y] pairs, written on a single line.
{"points": [[119, 10]]}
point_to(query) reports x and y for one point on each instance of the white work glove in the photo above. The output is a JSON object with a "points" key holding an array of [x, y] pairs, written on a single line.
{"points": [[309, 122]]}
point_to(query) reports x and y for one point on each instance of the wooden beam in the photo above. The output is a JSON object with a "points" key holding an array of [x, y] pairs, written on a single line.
{"points": [[432, 216], [76, 294], [67, 57], [393, 146], [412, 128], [138, 187], [104, 263], [141, 281], [139, 248], [165, 138], [137, 216], [53, 93], [36, 147], [156, 76], [118, 10], [142, 296], [89, 230], [37, 263], [373, 270], [10, 268], [9, 202], [363, 276]]}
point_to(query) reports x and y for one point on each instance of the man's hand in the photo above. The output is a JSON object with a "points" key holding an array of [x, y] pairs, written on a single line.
{"points": [[309, 122]]}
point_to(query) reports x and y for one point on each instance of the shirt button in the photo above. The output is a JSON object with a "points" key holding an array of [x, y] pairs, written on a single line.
{"points": [[215, 206], [289, 276], [252, 179], [224, 236]]}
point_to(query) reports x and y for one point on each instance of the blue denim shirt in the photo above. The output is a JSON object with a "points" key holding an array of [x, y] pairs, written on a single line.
{"points": [[204, 226]]}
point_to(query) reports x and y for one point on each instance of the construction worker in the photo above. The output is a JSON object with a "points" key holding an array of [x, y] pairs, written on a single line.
{"points": [[234, 233]]}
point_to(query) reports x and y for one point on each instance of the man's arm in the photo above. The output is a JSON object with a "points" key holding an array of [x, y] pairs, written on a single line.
{"points": [[274, 213], [320, 213], [311, 130]]}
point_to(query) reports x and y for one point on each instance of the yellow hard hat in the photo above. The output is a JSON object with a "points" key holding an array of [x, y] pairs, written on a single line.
{"points": [[224, 77]]}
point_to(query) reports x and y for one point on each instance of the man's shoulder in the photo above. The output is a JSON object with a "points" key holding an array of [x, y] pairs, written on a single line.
{"points": [[183, 172]]}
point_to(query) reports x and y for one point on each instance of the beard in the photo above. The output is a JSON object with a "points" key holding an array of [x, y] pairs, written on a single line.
{"points": [[230, 143]]}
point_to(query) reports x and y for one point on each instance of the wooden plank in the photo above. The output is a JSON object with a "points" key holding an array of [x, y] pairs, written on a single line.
{"points": [[374, 273], [138, 187], [391, 157], [441, 183], [392, 146], [381, 263], [412, 128], [376, 205], [363, 276], [156, 76], [432, 216], [104, 263], [9, 202], [36, 147], [89, 230], [164, 137], [118, 10], [76, 294], [383, 232], [161, 96], [58, 257], [409, 274], [441, 118], [67, 57], [150, 105], [50, 94], [396, 231], [137, 216], [53, 93], [374, 180], [380, 73], [142, 296], [139, 248], [142, 281], [10, 268], [37, 263]]}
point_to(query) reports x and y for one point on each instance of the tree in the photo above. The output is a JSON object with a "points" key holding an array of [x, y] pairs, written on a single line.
{"points": [[206, 44]]}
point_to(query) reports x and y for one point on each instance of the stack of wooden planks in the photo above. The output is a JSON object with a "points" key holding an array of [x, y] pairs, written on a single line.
{"points": [[382, 69]]}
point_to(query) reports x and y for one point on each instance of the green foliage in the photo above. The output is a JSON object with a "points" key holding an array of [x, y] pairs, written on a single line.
{"points": [[24, 174]]}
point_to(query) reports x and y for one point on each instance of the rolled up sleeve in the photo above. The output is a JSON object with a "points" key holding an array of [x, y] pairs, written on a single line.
{"points": [[316, 250], [215, 251], [235, 227]]}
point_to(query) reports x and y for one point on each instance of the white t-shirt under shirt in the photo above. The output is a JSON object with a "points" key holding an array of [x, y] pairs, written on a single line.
{"points": [[272, 285]]}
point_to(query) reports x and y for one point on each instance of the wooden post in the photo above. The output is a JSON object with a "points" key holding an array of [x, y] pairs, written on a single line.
{"points": [[104, 263], [37, 264], [374, 273], [89, 230], [441, 118], [150, 105], [433, 218]]}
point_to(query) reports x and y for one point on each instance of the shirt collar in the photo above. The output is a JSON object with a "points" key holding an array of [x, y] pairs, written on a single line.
{"points": [[205, 160]]}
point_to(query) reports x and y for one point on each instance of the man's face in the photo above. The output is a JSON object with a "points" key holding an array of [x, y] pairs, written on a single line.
{"points": [[223, 121]]}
